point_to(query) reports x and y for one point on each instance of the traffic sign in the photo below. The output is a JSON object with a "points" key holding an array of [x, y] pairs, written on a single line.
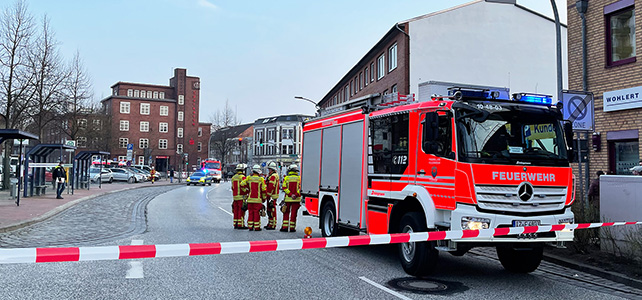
{"points": [[130, 146], [263, 164], [70, 143], [578, 109]]}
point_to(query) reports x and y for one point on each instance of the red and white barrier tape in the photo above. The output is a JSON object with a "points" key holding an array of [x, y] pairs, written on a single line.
{"points": [[40, 255]]}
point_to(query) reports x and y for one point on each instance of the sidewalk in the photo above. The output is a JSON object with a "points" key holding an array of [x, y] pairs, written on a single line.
{"points": [[38, 208]]}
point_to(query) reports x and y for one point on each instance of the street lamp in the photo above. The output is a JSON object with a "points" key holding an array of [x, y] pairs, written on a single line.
{"points": [[306, 99]]}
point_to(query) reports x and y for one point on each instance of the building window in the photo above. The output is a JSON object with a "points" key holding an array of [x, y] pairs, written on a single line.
{"points": [[392, 57], [142, 94], [124, 107], [270, 135], [161, 95], [180, 116], [130, 92], [347, 94], [179, 132], [141, 160], [351, 87], [164, 110], [155, 94], [179, 148], [372, 72], [381, 61], [287, 134], [82, 123], [620, 31], [82, 142], [97, 124], [200, 131], [122, 142], [144, 126], [360, 81], [124, 125], [181, 99], [136, 93], [144, 108], [394, 89], [122, 158], [163, 127], [162, 144], [367, 75], [143, 143], [149, 94], [199, 146], [287, 149]]}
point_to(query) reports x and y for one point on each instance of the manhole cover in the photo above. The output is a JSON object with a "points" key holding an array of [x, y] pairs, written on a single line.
{"points": [[424, 285]]}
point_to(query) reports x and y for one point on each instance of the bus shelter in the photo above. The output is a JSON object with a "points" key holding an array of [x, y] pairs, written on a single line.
{"points": [[82, 163], [16, 134], [37, 159]]}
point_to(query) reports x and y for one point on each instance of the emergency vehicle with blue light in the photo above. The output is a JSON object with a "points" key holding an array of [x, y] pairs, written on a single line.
{"points": [[471, 160]]}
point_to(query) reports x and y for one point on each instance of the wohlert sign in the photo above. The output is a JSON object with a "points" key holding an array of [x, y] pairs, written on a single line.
{"points": [[623, 99]]}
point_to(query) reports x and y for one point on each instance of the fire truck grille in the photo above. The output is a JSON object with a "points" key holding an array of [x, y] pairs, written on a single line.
{"points": [[506, 199]]}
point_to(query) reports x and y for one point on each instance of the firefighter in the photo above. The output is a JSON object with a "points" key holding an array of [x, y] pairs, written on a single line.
{"points": [[238, 194], [255, 186], [272, 195], [292, 189]]}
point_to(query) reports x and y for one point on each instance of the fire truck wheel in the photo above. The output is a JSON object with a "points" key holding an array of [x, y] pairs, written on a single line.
{"points": [[328, 220], [520, 260], [417, 259]]}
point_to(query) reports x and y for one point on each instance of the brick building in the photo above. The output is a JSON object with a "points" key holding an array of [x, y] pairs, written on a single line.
{"points": [[484, 42], [160, 121], [613, 76]]}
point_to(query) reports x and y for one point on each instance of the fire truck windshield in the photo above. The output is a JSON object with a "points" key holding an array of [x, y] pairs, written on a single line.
{"points": [[511, 135], [211, 165]]}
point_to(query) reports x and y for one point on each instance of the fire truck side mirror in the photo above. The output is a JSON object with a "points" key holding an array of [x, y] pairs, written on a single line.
{"points": [[568, 133]]}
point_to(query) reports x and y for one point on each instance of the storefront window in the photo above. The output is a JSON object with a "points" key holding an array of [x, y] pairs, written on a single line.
{"points": [[626, 157]]}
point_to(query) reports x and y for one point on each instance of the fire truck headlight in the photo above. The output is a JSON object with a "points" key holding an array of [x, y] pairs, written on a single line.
{"points": [[474, 223], [566, 221]]}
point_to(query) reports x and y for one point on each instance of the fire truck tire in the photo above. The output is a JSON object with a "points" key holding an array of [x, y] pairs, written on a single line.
{"points": [[328, 220], [520, 260], [417, 259]]}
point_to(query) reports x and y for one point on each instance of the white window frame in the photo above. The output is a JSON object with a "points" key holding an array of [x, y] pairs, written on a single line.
{"points": [[181, 116], [124, 125], [161, 95], [392, 57], [372, 72], [199, 146], [164, 110], [81, 142], [143, 143], [149, 94], [125, 107], [163, 127], [82, 123], [155, 94], [162, 144], [179, 132], [122, 142], [136, 93], [122, 158], [181, 99], [179, 148], [381, 68], [145, 108], [142, 93], [130, 93], [366, 76], [141, 159], [144, 126], [200, 131]]}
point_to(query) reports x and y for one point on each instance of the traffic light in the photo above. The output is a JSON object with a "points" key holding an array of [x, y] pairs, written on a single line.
{"points": [[240, 141], [261, 142]]}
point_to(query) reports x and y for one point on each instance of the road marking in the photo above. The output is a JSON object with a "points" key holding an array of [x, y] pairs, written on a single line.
{"points": [[385, 289], [229, 213], [135, 267], [207, 195]]}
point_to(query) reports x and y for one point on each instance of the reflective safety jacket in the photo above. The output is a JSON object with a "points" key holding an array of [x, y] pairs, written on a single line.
{"points": [[273, 186], [237, 191], [292, 187], [256, 188]]}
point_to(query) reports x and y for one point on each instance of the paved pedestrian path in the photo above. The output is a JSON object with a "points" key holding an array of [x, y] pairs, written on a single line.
{"points": [[37, 208]]}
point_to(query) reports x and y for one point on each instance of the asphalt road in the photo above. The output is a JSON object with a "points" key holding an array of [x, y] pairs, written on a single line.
{"points": [[203, 214]]}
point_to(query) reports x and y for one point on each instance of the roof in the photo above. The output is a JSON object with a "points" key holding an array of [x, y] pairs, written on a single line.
{"points": [[228, 132], [142, 84], [16, 134], [138, 98]]}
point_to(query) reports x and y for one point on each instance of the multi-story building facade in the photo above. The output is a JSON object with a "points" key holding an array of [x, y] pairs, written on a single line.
{"points": [[613, 76], [162, 122], [484, 42], [278, 139], [232, 145]]}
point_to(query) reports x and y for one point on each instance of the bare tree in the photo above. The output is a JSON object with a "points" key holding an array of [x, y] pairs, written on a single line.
{"points": [[16, 31], [49, 78], [77, 106], [221, 140]]}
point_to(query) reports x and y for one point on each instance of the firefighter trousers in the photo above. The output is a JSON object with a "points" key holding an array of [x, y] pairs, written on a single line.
{"points": [[271, 212], [239, 214], [254, 216], [289, 216]]}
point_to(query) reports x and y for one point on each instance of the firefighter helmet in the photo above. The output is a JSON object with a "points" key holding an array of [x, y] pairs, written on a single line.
{"points": [[240, 167], [272, 166], [293, 168], [256, 169]]}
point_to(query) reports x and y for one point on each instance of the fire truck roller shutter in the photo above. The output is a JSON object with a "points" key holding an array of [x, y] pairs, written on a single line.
{"points": [[352, 174], [311, 158], [330, 159]]}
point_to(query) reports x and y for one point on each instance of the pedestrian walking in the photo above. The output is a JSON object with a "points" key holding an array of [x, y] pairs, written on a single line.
{"points": [[238, 198], [292, 189], [255, 186], [272, 195], [59, 175], [171, 176]]}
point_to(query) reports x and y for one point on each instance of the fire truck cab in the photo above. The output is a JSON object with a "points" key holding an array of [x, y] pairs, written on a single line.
{"points": [[388, 164]]}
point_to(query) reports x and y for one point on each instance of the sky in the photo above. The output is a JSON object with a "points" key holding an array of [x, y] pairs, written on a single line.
{"points": [[257, 54]]}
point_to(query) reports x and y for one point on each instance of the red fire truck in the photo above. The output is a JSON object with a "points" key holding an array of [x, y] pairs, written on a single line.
{"points": [[382, 164]]}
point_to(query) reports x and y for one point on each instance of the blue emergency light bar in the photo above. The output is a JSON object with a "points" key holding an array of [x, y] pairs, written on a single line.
{"points": [[533, 98]]}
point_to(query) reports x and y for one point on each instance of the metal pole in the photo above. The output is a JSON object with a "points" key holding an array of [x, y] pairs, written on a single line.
{"points": [[558, 36], [18, 167], [579, 165]]}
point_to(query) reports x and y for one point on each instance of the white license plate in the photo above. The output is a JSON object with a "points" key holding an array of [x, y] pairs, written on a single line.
{"points": [[524, 223]]}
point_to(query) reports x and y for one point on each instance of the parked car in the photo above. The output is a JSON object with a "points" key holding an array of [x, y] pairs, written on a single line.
{"points": [[139, 175], [200, 177], [105, 175], [121, 174]]}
